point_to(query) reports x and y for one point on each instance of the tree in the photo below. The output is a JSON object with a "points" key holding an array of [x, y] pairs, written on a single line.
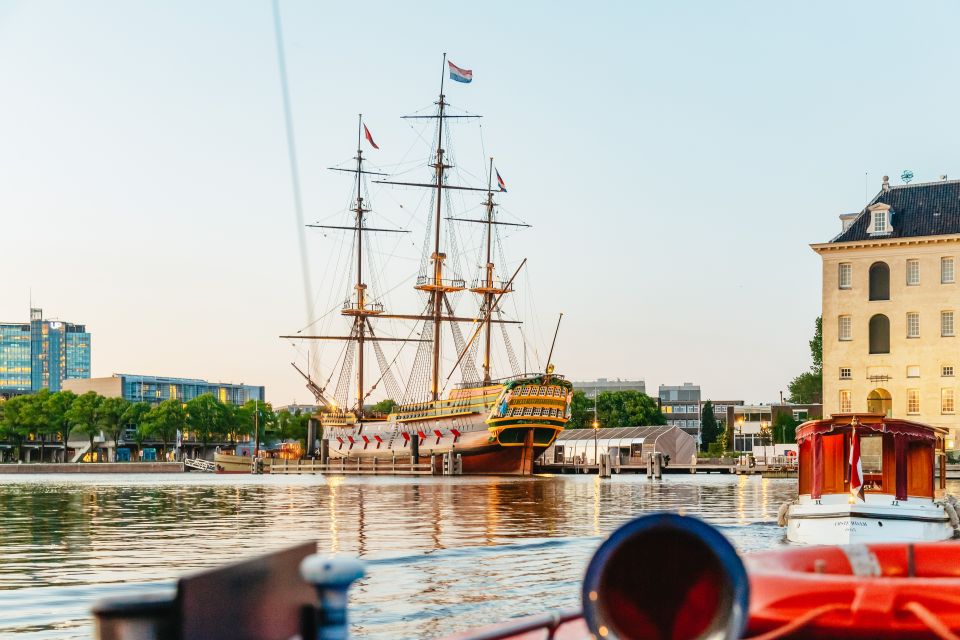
{"points": [[615, 409], [255, 415], [785, 429], [83, 415], [15, 424], [110, 415], [133, 419], [807, 388], [710, 431], [56, 408], [164, 421], [34, 418], [203, 418], [384, 407]]}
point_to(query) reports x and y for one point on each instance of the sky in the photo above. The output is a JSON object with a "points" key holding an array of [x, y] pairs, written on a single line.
{"points": [[675, 160]]}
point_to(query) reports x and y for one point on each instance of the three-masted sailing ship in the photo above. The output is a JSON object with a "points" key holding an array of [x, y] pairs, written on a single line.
{"points": [[496, 425]]}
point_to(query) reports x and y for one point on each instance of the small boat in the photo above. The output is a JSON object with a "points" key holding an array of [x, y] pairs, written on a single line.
{"points": [[240, 459], [867, 478]]}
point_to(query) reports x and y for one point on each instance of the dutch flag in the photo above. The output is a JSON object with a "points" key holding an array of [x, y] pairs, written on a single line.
{"points": [[501, 183], [458, 74]]}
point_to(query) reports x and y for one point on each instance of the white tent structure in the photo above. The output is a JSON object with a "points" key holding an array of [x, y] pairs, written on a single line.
{"points": [[626, 446]]}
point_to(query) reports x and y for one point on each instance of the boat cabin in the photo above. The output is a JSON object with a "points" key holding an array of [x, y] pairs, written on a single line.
{"points": [[898, 457]]}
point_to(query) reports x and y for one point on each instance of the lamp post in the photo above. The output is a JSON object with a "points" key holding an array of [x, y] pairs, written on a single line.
{"points": [[740, 432], [596, 430]]}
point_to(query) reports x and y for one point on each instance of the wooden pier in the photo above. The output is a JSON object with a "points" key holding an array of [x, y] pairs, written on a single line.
{"points": [[446, 465]]}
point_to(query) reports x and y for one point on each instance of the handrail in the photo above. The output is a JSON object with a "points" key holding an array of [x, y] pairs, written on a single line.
{"points": [[549, 621]]}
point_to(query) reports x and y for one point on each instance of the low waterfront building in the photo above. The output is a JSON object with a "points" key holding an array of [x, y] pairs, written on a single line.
{"points": [[628, 445], [891, 301], [591, 388], [156, 389], [41, 354], [722, 410], [753, 424], [680, 405]]}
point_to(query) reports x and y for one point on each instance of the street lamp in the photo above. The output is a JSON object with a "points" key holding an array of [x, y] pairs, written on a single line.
{"points": [[596, 430], [740, 432]]}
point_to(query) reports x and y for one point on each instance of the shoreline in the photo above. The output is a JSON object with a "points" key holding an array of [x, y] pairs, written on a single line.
{"points": [[90, 467]]}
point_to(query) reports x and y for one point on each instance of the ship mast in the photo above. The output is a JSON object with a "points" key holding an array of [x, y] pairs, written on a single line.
{"points": [[358, 308]]}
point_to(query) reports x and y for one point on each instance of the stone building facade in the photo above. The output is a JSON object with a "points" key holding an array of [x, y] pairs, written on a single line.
{"points": [[891, 304]]}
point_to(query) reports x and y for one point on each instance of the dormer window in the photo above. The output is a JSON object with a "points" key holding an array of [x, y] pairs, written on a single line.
{"points": [[879, 221]]}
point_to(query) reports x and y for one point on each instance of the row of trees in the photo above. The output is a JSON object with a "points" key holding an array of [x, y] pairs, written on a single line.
{"points": [[48, 417], [614, 409]]}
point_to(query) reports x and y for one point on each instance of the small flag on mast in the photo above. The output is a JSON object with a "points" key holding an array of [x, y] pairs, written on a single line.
{"points": [[501, 183], [856, 467], [458, 74], [366, 132]]}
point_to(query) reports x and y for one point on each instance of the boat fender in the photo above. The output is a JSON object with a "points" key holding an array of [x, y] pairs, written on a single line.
{"points": [[782, 513], [951, 510]]}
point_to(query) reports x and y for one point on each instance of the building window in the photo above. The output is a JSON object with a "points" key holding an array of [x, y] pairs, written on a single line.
{"points": [[846, 373], [913, 371], [913, 324], [879, 281], [946, 371], [879, 222], [846, 275], [946, 323], [845, 328], [913, 272], [845, 406], [946, 270], [946, 401], [913, 401], [879, 334]]}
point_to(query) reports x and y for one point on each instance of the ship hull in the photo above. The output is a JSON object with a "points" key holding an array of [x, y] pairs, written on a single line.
{"points": [[500, 429]]}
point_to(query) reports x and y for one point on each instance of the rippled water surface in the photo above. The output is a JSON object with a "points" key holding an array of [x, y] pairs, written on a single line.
{"points": [[445, 553]]}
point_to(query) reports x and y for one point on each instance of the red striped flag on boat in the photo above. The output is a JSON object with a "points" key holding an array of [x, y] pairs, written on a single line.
{"points": [[856, 467], [366, 132], [458, 74], [501, 183]]}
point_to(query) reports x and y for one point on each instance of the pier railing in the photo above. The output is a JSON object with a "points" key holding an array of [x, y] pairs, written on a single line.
{"points": [[354, 467]]}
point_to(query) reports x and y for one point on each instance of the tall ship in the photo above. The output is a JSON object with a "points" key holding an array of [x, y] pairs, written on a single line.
{"points": [[497, 425]]}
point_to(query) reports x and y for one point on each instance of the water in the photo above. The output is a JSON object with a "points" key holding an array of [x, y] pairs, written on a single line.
{"points": [[445, 553]]}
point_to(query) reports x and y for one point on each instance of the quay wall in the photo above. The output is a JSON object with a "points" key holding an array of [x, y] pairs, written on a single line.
{"points": [[93, 467]]}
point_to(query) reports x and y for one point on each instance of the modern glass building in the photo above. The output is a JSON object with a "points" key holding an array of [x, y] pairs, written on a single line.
{"points": [[41, 354], [156, 389]]}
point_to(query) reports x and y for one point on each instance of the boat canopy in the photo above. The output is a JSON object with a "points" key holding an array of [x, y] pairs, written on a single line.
{"points": [[897, 456]]}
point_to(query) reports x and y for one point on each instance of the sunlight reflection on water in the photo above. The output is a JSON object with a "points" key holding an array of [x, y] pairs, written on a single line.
{"points": [[445, 553]]}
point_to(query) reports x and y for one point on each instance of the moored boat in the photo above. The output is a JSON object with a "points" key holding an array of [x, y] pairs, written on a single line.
{"points": [[485, 423], [869, 478]]}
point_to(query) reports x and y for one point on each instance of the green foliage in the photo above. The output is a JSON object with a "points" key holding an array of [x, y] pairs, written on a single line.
{"points": [[710, 431], [56, 408], [15, 423], [785, 429], [110, 415], [83, 415], [816, 346], [164, 421], [255, 415], [384, 406], [615, 409], [205, 418], [807, 388]]}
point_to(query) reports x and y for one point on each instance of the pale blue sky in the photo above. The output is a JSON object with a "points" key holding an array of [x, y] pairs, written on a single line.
{"points": [[675, 161]]}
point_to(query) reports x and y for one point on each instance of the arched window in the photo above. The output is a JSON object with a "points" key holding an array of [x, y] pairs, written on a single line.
{"points": [[879, 281], [879, 333]]}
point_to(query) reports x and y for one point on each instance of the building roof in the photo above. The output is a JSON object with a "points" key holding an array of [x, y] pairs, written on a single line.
{"points": [[621, 432], [923, 209]]}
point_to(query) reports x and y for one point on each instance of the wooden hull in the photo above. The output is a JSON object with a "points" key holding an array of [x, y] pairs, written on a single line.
{"points": [[229, 463]]}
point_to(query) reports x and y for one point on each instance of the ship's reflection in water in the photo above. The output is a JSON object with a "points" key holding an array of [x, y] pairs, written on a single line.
{"points": [[444, 553]]}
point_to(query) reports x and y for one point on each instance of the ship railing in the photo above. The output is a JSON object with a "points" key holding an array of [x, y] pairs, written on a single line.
{"points": [[374, 307], [549, 622], [470, 384], [442, 282], [499, 285]]}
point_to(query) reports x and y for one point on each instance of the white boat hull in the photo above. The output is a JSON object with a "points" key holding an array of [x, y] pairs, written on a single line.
{"points": [[834, 520]]}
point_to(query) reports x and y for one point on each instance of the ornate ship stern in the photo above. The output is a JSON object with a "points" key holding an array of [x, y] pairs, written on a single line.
{"points": [[525, 420]]}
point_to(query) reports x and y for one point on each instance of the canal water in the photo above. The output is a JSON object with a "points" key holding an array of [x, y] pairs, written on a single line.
{"points": [[444, 553]]}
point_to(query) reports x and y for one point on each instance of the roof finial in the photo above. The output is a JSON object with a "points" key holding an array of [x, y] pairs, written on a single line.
{"points": [[886, 183]]}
